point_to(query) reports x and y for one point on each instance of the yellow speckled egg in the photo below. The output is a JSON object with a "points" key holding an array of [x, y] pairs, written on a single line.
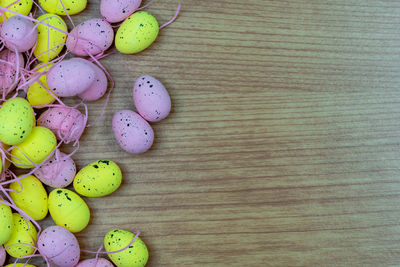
{"points": [[22, 233], [136, 255], [49, 38], [32, 198], [39, 144], [22, 7], [136, 33], [19, 265], [72, 6], [6, 162], [6, 223], [68, 210], [37, 94], [17, 120], [98, 179]]}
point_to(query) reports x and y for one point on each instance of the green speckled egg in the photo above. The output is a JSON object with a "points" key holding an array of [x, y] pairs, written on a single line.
{"points": [[17, 120], [21, 234], [68, 210], [72, 6], [39, 144], [6, 223], [136, 33], [32, 198], [98, 179], [136, 255]]}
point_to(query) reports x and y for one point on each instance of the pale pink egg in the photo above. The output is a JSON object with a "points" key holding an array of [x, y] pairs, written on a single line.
{"points": [[98, 88], [151, 99], [132, 132], [59, 246], [2, 255], [90, 37], [18, 34], [58, 172], [8, 72], [118, 10], [100, 262]]}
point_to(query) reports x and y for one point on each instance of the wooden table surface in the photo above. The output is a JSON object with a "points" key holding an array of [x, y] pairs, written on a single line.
{"points": [[283, 145]]}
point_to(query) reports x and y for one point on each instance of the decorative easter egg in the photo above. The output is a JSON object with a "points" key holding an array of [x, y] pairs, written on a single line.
{"points": [[17, 121], [90, 37], [60, 246], [70, 77], [18, 34], [98, 179], [73, 7], [50, 41], [20, 265], [116, 11], [23, 232], [6, 223], [2, 255], [151, 99], [37, 147], [37, 94], [58, 172], [136, 255], [32, 198], [8, 80], [132, 132], [22, 7], [68, 210], [98, 88], [136, 33], [66, 123], [99, 262]]}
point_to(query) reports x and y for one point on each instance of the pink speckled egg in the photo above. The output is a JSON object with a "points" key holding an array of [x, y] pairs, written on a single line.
{"points": [[151, 99], [70, 77], [18, 34], [59, 246], [65, 122], [3, 256], [118, 10], [8, 72], [98, 88], [132, 132], [100, 262], [90, 37], [58, 172]]}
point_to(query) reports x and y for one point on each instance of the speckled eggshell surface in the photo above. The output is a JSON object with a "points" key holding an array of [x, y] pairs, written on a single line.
{"points": [[132, 132], [19, 265], [55, 6], [2, 255], [70, 77], [58, 172], [7, 80], [23, 232], [98, 88], [118, 10], [90, 37], [19, 34], [151, 99], [60, 246], [99, 262], [23, 7], [6, 223]]}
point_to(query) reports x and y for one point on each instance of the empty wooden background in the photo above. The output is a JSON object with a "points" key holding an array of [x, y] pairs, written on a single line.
{"points": [[283, 145]]}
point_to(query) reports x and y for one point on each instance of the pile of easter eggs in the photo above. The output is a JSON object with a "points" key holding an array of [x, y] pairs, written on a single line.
{"points": [[42, 62]]}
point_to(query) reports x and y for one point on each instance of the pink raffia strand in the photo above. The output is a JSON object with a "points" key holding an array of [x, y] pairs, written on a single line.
{"points": [[174, 18], [145, 6], [112, 252], [66, 12]]}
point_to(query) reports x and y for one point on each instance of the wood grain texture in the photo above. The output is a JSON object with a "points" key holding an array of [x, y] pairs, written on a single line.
{"points": [[283, 145]]}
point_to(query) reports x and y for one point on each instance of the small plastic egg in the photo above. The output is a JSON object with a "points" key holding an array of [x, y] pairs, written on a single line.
{"points": [[132, 132], [23, 232], [9, 72], [6, 223], [37, 94], [98, 88], [3, 256], [68, 210], [90, 37], [98, 179], [151, 99], [32, 199], [136, 33], [58, 172], [23, 7], [18, 34], [70, 77], [73, 7], [66, 123], [50, 42], [20, 265], [116, 11], [17, 121], [37, 147], [99, 262], [60, 246], [136, 255]]}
